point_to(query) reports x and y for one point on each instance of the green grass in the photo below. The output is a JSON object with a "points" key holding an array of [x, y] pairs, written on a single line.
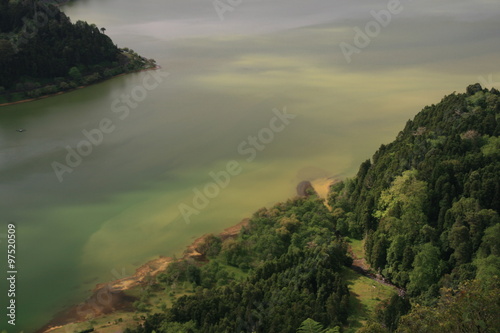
{"points": [[365, 295], [169, 295], [358, 247], [238, 273]]}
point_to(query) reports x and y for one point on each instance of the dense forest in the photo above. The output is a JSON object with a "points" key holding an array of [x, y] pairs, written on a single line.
{"points": [[42, 52], [295, 262], [427, 206]]}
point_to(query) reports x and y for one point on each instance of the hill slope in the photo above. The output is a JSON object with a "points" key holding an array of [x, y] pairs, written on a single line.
{"points": [[428, 203]]}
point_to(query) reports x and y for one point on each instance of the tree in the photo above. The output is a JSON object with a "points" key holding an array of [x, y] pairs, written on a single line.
{"points": [[6, 50], [404, 201], [335, 329], [426, 269], [210, 246], [474, 307], [310, 326], [490, 242], [75, 73], [487, 267], [103, 29], [390, 311], [372, 328], [378, 254], [492, 147], [188, 327], [459, 239], [64, 86]]}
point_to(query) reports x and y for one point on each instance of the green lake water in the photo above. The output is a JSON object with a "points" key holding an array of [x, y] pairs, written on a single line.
{"points": [[120, 206]]}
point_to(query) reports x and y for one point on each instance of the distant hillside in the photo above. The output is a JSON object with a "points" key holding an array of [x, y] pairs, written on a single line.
{"points": [[42, 52]]}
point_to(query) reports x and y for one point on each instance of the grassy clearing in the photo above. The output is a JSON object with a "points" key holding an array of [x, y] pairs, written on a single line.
{"points": [[239, 274], [365, 295], [358, 247], [365, 292]]}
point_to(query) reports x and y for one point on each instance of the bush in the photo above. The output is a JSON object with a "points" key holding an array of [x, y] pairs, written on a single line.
{"points": [[210, 246], [51, 89], [64, 86], [75, 73]]}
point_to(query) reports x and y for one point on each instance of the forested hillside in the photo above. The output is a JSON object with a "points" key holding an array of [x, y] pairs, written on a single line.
{"points": [[427, 208], [42, 52], [427, 205], [295, 260]]}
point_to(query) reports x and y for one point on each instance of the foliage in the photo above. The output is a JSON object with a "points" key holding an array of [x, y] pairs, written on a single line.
{"points": [[372, 328], [426, 269], [390, 311], [473, 307], [181, 271], [210, 246], [427, 204], [297, 279], [39, 45], [310, 326]]}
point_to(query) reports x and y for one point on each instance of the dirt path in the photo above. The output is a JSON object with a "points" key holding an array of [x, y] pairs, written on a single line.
{"points": [[360, 266]]}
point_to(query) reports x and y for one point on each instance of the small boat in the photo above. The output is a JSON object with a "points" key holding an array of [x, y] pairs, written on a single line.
{"points": [[20, 130]]}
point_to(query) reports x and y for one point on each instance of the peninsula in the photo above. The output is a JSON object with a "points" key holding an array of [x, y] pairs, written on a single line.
{"points": [[43, 53]]}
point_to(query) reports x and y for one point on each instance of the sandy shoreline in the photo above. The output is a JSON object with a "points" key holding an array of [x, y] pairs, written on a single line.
{"points": [[322, 186], [110, 297]]}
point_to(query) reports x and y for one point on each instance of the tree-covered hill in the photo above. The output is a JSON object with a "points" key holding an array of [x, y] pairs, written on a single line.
{"points": [[294, 262], [428, 203], [42, 52]]}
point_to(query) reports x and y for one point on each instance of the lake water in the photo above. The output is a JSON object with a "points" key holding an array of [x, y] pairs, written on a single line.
{"points": [[229, 75]]}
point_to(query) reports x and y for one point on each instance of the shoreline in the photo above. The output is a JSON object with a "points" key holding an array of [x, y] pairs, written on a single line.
{"points": [[110, 297], [77, 88], [113, 293]]}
